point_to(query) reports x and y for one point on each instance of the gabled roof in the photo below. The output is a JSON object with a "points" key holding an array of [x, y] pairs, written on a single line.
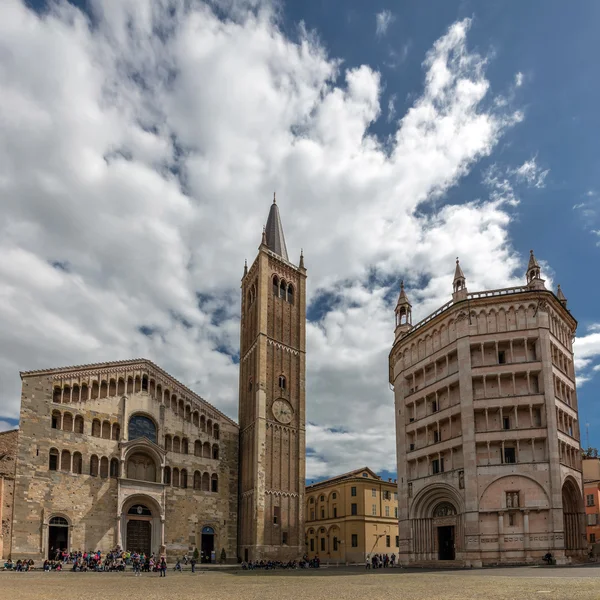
{"points": [[139, 363], [274, 232], [350, 475]]}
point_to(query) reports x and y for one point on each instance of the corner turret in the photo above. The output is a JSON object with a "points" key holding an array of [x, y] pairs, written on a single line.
{"points": [[459, 285], [403, 314]]}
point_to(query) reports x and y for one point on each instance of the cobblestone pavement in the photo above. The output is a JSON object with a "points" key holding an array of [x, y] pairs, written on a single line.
{"points": [[339, 584]]}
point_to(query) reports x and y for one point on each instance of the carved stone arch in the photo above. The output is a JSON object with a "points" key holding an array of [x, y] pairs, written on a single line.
{"points": [[430, 496], [492, 321], [496, 492], [451, 330]]}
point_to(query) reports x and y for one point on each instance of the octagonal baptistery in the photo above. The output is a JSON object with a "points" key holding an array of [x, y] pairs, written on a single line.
{"points": [[487, 430], [122, 454]]}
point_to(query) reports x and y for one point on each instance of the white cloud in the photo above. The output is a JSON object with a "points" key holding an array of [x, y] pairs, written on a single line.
{"points": [[587, 352], [391, 108], [519, 79], [383, 20], [144, 165], [531, 173]]}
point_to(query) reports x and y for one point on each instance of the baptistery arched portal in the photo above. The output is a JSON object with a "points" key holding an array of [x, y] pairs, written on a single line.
{"points": [[437, 524], [572, 509]]}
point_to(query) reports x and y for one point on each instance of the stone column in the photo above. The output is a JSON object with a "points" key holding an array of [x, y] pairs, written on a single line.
{"points": [[501, 534]]}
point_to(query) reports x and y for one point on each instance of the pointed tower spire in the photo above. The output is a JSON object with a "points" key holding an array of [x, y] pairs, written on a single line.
{"points": [[274, 232], [403, 313], [562, 298], [534, 274], [459, 285], [301, 264]]}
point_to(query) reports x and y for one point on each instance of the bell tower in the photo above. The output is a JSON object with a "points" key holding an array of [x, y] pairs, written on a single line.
{"points": [[272, 401]]}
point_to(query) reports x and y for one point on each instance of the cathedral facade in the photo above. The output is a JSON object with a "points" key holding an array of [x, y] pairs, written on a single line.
{"points": [[487, 429], [123, 454]]}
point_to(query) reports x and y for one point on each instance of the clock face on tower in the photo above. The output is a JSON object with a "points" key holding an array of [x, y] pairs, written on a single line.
{"points": [[282, 411]]}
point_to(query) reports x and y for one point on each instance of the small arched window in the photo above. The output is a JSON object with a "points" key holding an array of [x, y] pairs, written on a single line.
{"points": [[167, 476], [84, 392], [65, 461], [175, 477], [56, 396], [116, 432], [112, 388], [55, 419], [205, 482], [94, 466], [197, 448], [196, 419], [96, 428], [185, 446], [67, 424], [114, 467], [183, 478], [282, 382], [216, 431], [214, 483], [104, 467], [197, 480], [203, 423], [77, 463], [290, 294], [215, 451], [103, 389], [206, 450], [75, 393], [275, 285], [53, 460], [121, 386], [168, 443], [176, 444], [144, 383], [105, 430], [66, 394], [130, 385], [78, 424], [282, 289]]}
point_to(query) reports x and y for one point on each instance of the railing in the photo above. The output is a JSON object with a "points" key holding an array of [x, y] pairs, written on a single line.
{"points": [[470, 296]]}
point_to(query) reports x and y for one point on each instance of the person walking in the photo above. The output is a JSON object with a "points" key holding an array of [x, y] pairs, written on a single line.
{"points": [[193, 563], [162, 567]]}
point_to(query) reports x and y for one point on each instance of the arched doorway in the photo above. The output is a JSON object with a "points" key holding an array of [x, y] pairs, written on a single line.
{"points": [[139, 529], [571, 501], [207, 544], [436, 521], [444, 520], [58, 535]]}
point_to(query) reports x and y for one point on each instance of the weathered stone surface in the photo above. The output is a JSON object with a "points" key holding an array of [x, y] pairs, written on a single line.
{"points": [[8, 464]]}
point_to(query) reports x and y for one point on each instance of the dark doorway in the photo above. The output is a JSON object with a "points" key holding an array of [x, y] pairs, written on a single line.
{"points": [[207, 544], [139, 536], [246, 554], [58, 536], [446, 543]]}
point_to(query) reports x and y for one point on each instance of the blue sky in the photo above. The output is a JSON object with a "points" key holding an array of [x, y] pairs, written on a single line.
{"points": [[145, 143]]}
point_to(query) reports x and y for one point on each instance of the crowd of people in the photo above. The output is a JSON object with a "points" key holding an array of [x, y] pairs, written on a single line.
{"points": [[380, 561], [78, 561]]}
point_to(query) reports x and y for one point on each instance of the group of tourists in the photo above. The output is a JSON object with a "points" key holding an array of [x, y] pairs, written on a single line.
{"points": [[380, 561], [78, 561]]}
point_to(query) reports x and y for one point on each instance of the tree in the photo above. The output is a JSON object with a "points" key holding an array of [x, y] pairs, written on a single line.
{"points": [[196, 554]]}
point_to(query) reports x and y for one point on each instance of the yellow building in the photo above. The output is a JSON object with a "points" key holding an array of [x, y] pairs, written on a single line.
{"points": [[351, 516]]}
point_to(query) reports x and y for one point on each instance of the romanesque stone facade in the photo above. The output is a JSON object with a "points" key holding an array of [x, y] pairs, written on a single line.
{"points": [[489, 467], [272, 401], [122, 454], [8, 463]]}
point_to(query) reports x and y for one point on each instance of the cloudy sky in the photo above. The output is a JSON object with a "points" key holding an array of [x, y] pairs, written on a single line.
{"points": [[141, 142]]}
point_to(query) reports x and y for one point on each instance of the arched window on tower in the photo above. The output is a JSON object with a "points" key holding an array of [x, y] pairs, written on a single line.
{"points": [[114, 467], [94, 462], [275, 285], [282, 382], [167, 476], [214, 483], [282, 289], [77, 463], [290, 294], [197, 480], [78, 424]]}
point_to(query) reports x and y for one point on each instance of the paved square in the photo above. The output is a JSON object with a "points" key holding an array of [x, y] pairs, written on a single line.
{"points": [[340, 584]]}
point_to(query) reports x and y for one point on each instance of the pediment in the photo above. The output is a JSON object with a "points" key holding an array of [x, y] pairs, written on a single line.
{"points": [[141, 444]]}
